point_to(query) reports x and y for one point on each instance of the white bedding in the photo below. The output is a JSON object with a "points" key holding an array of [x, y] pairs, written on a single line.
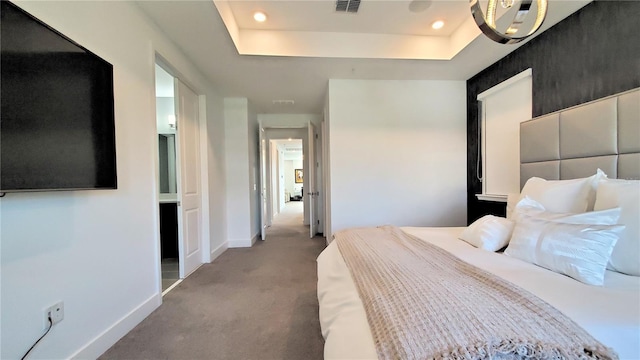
{"points": [[610, 313]]}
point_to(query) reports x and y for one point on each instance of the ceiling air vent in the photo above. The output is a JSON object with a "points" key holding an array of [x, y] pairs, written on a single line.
{"points": [[283, 102], [347, 5]]}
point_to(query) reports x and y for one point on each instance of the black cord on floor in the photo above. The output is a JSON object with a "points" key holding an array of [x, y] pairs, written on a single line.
{"points": [[36, 343]]}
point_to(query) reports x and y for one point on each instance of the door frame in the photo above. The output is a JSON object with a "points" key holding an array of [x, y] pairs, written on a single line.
{"points": [[310, 176], [275, 182], [204, 178], [294, 132]]}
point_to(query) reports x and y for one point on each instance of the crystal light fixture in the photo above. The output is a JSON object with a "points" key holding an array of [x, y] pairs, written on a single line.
{"points": [[506, 4], [488, 23]]}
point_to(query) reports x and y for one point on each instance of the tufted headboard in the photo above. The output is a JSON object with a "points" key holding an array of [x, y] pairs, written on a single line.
{"points": [[574, 142]]}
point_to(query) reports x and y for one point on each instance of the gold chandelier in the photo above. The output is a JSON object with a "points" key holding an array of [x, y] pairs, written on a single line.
{"points": [[488, 23]]}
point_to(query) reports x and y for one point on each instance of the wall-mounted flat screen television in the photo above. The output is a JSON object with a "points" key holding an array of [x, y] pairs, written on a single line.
{"points": [[57, 128]]}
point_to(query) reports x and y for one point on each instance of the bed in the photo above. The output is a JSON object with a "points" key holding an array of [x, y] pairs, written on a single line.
{"points": [[555, 151]]}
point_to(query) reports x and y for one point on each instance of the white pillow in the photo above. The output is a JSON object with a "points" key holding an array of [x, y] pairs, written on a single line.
{"points": [[626, 195], [512, 201], [564, 196], [489, 232], [577, 245], [597, 179]]}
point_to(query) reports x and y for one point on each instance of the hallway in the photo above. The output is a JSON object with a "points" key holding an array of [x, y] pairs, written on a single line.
{"points": [[292, 214], [250, 303]]}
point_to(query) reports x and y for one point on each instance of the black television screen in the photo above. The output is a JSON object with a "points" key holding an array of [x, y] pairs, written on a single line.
{"points": [[57, 127]]}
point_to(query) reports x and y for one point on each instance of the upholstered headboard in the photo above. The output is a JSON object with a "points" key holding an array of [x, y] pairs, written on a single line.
{"points": [[575, 142]]}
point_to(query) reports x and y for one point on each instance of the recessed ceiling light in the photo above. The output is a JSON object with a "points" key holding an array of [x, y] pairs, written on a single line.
{"points": [[438, 24], [259, 16]]}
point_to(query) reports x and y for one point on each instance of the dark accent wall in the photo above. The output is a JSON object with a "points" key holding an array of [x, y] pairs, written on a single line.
{"points": [[591, 54]]}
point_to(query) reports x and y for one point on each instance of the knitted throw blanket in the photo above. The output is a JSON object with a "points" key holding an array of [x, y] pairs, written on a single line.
{"points": [[424, 303]]}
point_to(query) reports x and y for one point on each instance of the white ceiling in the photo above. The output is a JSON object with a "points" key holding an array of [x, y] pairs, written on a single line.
{"points": [[393, 17], [385, 40], [292, 149]]}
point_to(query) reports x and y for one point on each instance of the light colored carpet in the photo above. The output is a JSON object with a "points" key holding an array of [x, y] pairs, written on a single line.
{"points": [[254, 303], [291, 215]]}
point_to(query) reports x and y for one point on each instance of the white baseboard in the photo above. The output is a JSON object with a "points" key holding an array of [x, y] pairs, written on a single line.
{"points": [[242, 243], [111, 335], [239, 243], [218, 251]]}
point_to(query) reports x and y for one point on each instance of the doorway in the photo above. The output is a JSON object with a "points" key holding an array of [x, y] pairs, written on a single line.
{"points": [[167, 178], [294, 180], [179, 177], [287, 180]]}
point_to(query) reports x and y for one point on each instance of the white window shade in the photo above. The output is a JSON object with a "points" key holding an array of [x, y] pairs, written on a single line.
{"points": [[504, 107]]}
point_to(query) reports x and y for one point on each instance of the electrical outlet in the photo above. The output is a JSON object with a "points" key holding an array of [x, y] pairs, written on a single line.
{"points": [[56, 312]]}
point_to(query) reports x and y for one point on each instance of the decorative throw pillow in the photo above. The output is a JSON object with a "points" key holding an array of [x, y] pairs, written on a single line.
{"points": [[564, 196], [490, 233], [625, 194], [576, 245]]}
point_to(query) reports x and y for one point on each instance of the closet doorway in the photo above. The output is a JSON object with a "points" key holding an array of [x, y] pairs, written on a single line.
{"points": [[179, 177], [167, 178]]}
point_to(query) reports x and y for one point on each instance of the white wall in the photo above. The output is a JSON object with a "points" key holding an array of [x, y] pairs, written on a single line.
{"points": [[242, 172], [216, 175], [98, 251], [397, 153], [238, 176]]}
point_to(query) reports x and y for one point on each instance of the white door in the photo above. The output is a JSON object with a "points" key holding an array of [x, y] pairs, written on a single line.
{"points": [[189, 187], [311, 181], [263, 185]]}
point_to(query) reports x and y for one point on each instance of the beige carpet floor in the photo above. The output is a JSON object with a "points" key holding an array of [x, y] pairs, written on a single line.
{"points": [[253, 303], [291, 215]]}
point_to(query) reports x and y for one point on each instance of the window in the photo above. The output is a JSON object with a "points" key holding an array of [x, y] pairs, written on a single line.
{"points": [[503, 108]]}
